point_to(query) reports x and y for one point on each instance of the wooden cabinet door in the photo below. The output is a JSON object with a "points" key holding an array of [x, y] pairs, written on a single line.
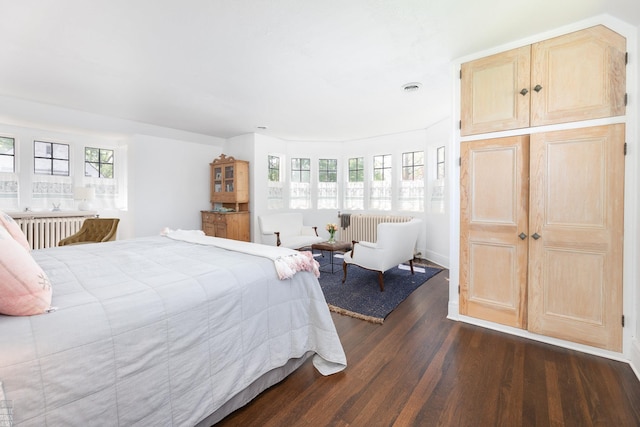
{"points": [[494, 212], [575, 266], [581, 76], [491, 87]]}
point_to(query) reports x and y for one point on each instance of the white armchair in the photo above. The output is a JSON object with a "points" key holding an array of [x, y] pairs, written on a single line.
{"points": [[287, 230], [396, 244]]}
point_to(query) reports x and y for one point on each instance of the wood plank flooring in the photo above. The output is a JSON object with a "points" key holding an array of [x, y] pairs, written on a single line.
{"points": [[420, 369]]}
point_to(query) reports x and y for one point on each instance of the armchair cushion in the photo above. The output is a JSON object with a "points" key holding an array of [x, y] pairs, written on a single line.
{"points": [[93, 230], [290, 230], [396, 244]]}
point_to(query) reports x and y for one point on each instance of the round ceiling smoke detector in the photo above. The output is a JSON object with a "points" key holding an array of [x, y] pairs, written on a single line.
{"points": [[411, 87]]}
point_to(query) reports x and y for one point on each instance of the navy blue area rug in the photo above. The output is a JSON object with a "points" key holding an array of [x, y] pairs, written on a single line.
{"points": [[360, 296]]}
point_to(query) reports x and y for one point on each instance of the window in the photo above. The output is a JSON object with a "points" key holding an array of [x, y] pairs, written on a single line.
{"points": [[300, 170], [413, 166], [411, 197], [380, 191], [274, 168], [440, 162], [356, 169], [275, 193], [300, 185], [328, 170], [328, 184], [51, 158], [98, 162], [7, 154], [354, 187]]}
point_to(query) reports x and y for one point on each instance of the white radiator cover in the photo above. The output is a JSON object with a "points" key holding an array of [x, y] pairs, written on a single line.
{"points": [[364, 227], [46, 230]]}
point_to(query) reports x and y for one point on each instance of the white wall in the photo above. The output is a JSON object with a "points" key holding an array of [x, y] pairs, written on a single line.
{"points": [[168, 183], [165, 172]]}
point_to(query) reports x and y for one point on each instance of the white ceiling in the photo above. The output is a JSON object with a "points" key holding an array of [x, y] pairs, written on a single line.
{"points": [[307, 69]]}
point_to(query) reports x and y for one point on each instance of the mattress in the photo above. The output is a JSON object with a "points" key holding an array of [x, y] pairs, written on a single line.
{"points": [[157, 331]]}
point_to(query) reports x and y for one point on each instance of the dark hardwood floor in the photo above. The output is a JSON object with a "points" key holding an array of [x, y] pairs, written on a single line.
{"points": [[421, 369]]}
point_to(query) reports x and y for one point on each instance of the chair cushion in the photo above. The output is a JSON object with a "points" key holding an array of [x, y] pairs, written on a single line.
{"points": [[297, 242], [24, 288]]}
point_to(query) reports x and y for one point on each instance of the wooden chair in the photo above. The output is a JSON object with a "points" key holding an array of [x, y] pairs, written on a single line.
{"points": [[93, 230]]}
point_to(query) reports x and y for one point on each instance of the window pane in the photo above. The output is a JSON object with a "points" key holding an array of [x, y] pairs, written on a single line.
{"points": [[407, 159], [91, 154], [322, 164], [305, 164], [378, 161], [106, 170], [42, 166], [42, 149], [106, 156], [407, 174], [295, 164], [6, 163], [418, 172], [440, 154], [61, 167], [91, 169], [306, 176], [60, 151], [7, 146], [418, 158]]}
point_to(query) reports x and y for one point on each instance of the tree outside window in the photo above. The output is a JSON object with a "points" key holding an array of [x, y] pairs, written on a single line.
{"points": [[274, 168], [382, 167], [98, 162]]}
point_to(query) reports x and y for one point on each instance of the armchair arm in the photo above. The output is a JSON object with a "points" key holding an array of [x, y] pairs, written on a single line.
{"points": [[308, 230], [73, 239], [271, 237]]}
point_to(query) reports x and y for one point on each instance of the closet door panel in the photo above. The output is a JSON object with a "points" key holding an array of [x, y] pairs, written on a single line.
{"points": [[575, 266], [581, 76], [493, 257], [490, 92]]}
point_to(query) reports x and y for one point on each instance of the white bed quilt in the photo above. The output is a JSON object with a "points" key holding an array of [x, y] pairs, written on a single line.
{"points": [[156, 331]]}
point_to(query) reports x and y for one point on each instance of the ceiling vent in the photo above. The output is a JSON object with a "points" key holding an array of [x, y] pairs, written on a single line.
{"points": [[411, 87]]}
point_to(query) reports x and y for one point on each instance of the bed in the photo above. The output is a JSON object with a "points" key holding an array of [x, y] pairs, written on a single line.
{"points": [[164, 330]]}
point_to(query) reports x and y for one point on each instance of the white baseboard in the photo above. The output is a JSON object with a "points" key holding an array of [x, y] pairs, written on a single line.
{"points": [[437, 258], [635, 357]]}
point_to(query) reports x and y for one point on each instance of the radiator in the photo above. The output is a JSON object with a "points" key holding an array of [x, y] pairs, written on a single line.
{"points": [[365, 226], [46, 231]]}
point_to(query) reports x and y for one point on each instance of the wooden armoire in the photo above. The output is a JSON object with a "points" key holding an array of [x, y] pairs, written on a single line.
{"points": [[541, 221]]}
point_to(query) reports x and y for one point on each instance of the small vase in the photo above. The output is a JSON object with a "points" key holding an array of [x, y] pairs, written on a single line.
{"points": [[332, 237]]}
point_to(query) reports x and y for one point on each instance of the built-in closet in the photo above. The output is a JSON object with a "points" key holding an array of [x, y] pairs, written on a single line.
{"points": [[542, 211]]}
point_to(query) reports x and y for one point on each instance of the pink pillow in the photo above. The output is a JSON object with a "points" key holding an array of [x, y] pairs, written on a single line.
{"points": [[24, 288], [14, 230]]}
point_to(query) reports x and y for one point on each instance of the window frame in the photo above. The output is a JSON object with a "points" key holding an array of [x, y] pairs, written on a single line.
{"points": [[385, 170], [328, 171], [358, 170], [52, 159], [99, 162], [412, 166], [440, 163], [300, 171], [12, 153], [270, 169]]}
